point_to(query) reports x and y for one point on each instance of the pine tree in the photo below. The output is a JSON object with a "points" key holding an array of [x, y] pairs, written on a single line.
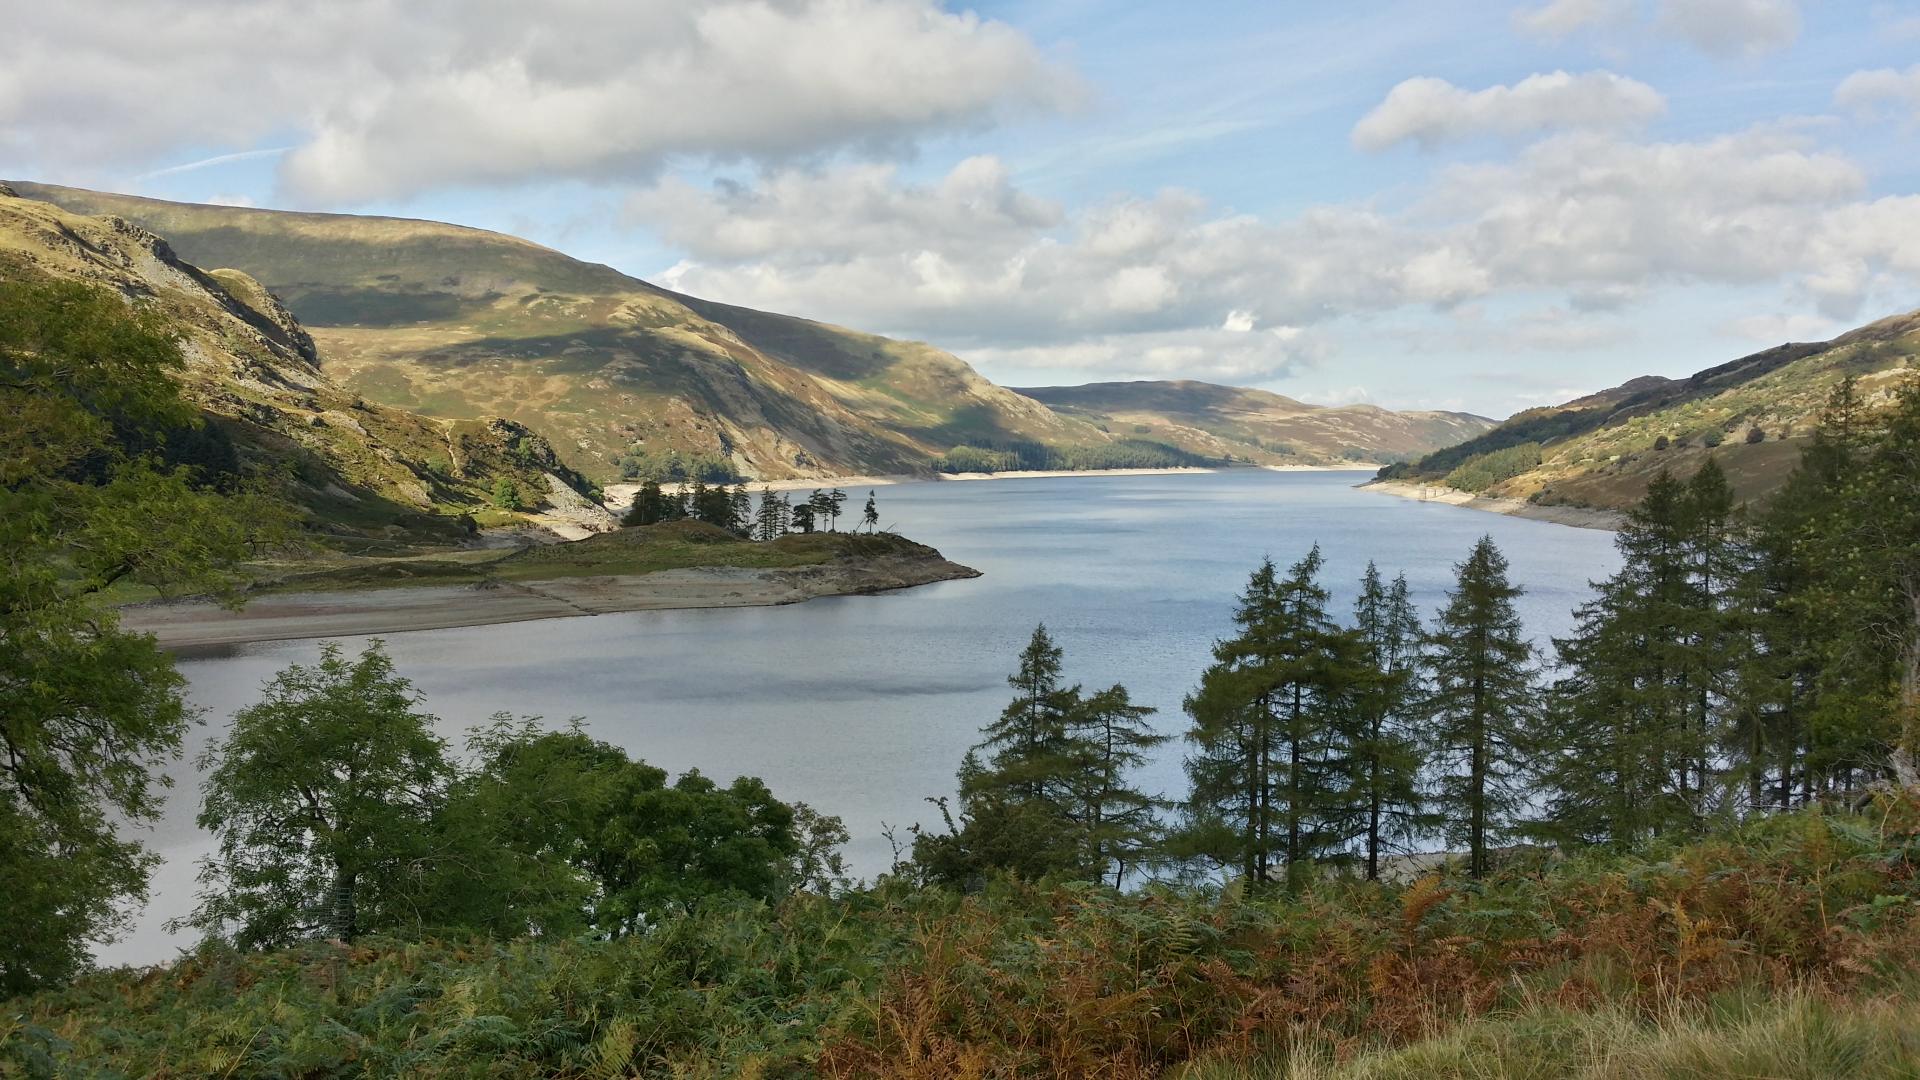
{"points": [[740, 511], [648, 505], [1026, 751], [802, 515], [1643, 739], [831, 507], [1121, 822], [1271, 775], [1387, 752], [1480, 666], [871, 517]]}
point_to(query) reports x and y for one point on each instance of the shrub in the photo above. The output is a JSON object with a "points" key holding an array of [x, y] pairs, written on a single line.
{"points": [[1756, 435]]}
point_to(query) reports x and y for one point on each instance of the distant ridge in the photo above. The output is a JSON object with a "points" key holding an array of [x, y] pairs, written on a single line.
{"points": [[1753, 414], [455, 322]]}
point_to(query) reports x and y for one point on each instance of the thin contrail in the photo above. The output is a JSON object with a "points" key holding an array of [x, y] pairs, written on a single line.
{"points": [[218, 159]]}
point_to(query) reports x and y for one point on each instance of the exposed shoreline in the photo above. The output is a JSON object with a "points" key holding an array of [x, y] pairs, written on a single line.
{"points": [[396, 609], [1579, 517], [622, 493]]}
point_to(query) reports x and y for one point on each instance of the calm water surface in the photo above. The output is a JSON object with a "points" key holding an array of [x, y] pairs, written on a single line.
{"points": [[862, 706]]}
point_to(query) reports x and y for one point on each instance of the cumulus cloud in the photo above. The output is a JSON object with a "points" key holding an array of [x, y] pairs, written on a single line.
{"points": [[1867, 91], [1776, 328], [1432, 112], [1588, 221], [1562, 18], [1731, 27], [486, 91]]}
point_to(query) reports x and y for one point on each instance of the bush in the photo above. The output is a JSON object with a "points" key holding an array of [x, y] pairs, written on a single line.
{"points": [[1756, 435], [1712, 437], [1661, 443], [1068, 980], [506, 494]]}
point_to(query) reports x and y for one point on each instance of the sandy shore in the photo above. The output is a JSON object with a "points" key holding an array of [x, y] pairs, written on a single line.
{"points": [[1577, 516], [285, 616], [619, 495]]}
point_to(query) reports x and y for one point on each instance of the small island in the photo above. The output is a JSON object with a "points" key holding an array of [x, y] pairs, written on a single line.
{"points": [[674, 564]]}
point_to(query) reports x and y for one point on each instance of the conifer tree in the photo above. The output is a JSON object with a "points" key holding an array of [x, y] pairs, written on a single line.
{"points": [[1386, 750], [1121, 822], [649, 505], [1026, 752], [1479, 663], [770, 521], [1641, 740], [871, 517], [801, 516], [1271, 773], [740, 511], [831, 508]]}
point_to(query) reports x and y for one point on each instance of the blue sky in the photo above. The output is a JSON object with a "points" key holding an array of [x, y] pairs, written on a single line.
{"points": [[1478, 206]]}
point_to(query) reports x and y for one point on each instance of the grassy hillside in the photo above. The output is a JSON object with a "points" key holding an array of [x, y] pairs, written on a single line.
{"points": [[363, 470], [456, 322], [1783, 949], [1752, 414], [1255, 425]]}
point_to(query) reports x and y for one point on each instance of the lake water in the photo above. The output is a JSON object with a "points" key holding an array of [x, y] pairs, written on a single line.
{"points": [[862, 706]]}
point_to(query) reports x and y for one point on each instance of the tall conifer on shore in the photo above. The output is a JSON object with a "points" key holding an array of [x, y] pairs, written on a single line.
{"points": [[1479, 663], [1272, 776], [1386, 750]]}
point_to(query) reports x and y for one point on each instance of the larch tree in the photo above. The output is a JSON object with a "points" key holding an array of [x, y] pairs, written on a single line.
{"points": [[1271, 770], [1121, 822], [1479, 667], [1387, 750]]}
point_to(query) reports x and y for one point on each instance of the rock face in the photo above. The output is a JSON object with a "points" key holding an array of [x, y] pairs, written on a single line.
{"points": [[255, 371]]}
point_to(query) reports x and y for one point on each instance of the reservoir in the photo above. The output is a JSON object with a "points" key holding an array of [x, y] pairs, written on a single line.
{"points": [[862, 706]]}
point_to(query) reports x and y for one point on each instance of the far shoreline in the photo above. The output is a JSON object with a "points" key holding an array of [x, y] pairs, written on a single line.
{"points": [[619, 494], [1578, 517]]}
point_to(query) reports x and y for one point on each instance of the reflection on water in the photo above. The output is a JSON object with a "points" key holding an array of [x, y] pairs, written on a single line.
{"points": [[862, 706]]}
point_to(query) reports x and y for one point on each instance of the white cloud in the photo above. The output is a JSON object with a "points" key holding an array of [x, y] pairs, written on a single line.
{"points": [[1732, 27], [1773, 329], [483, 91], [1432, 112], [1222, 355], [1562, 18], [1866, 91], [1587, 223]]}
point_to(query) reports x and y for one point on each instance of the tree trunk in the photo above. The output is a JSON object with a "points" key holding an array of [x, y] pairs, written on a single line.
{"points": [[341, 913]]}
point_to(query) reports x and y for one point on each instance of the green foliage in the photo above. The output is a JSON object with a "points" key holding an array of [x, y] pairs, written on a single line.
{"points": [[1067, 981], [673, 467], [1045, 792], [320, 800], [1479, 665], [1388, 748], [88, 713], [1275, 721], [1482, 471], [507, 494]]}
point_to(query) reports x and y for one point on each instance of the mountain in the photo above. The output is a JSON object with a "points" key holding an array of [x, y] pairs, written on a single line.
{"points": [[362, 470], [1255, 425], [1753, 414], [455, 323]]}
